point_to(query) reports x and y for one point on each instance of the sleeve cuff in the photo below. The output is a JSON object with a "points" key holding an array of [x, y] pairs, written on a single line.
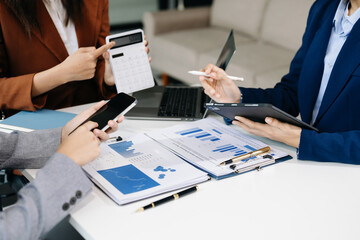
{"points": [[61, 184]]}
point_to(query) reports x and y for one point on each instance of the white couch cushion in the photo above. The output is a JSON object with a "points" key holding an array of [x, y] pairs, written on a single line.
{"points": [[242, 15], [183, 48], [285, 21], [270, 78]]}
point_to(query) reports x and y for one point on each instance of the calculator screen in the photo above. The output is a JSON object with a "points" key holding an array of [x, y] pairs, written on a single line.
{"points": [[127, 40]]}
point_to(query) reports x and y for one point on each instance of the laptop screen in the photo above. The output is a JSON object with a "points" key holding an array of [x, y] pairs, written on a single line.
{"points": [[225, 56], [227, 52]]}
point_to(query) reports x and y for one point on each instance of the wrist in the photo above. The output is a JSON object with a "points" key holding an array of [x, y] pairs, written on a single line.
{"points": [[240, 98], [63, 74], [47, 80], [109, 80], [295, 141], [63, 135], [108, 83]]}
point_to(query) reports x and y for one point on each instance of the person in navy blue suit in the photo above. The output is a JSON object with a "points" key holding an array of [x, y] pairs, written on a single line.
{"points": [[323, 86]]}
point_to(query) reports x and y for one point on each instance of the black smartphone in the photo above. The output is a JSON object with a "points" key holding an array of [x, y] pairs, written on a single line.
{"points": [[118, 105]]}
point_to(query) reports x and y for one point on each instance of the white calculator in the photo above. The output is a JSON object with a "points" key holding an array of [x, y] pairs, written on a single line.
{"points": [[130, 62]]}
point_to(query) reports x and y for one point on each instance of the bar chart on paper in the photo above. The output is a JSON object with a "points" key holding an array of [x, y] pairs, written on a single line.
{"points": [[125, 149], [207, 143], [140, 167], [200, 134], [214, 137]]}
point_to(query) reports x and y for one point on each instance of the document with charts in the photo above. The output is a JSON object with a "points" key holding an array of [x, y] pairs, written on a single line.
{"points": [[208, 142], [139, 167]]}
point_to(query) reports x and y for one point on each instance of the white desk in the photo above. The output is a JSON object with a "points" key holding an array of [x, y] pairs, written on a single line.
{"points": [[291, 200]]}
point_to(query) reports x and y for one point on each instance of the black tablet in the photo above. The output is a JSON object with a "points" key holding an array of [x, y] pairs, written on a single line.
{"points": [[255, 112]]}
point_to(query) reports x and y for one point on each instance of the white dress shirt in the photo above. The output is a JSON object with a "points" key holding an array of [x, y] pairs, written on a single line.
{"points": [[67, 33]]}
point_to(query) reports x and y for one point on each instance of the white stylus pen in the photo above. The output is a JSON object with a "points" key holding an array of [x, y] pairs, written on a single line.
{"points": [[198, 73]]}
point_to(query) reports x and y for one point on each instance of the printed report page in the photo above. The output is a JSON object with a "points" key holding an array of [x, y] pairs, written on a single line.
{"points": [[139, 167], [208, 142]]}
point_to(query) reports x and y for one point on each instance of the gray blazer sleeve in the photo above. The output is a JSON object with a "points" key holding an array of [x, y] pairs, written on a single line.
{"points": [[28, 150], [58, 187]]}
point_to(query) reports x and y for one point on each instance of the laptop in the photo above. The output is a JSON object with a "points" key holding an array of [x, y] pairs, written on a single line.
{"points": [[178, 103]]}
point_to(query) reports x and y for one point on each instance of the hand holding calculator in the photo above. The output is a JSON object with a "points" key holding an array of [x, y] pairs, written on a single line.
{"points": [[129, 62]]}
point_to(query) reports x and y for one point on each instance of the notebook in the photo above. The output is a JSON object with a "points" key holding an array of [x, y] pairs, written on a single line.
{"points": [[41, 119], [178, 103]]}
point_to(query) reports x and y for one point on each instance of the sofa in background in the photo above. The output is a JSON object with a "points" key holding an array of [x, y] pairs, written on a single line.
{"points": [[267, 35]]}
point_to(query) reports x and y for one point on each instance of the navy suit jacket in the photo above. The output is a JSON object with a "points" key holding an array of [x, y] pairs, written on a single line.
{"points": [[339, 114]]}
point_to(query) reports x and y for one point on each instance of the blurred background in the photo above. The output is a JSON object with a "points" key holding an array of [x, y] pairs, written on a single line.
{"points": [[128, 14], [187, 35]]}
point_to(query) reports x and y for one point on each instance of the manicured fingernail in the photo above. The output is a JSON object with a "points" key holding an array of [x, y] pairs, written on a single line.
{"points": [[268, 120], [237, 118]]}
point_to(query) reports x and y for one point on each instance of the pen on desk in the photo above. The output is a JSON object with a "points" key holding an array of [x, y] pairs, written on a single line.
{"points": [[117, 138], [234, 166], [246, 155], [198, 73], [169, 198]]}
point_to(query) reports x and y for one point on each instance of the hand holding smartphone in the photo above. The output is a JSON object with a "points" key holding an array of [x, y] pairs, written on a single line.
{"points": [[118, 105]]}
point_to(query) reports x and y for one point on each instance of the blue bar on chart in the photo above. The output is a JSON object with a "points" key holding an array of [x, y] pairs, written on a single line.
{"points": [[250, 148], [200, 134], [241, 152], [189, 131], [217, 131], [231, 148], [124, 149], [213, 139], [205, 139], [205, 134], [224, 148]]}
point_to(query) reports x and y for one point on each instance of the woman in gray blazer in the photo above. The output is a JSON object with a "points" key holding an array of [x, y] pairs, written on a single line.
{"points": [[60, 183]]}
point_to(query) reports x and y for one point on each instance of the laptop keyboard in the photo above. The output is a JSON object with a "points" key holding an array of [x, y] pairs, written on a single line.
{"points": [[178, 102]]}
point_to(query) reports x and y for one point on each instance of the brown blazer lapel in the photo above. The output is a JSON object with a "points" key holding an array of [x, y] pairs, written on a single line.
{"points": [[48, 34], [87, 36]]}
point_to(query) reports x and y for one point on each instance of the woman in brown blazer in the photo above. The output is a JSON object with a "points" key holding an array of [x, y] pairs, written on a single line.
{"points": [[36, 70]]}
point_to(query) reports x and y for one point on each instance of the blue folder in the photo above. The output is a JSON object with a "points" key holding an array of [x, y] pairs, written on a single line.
{"points": [[38, 120]]}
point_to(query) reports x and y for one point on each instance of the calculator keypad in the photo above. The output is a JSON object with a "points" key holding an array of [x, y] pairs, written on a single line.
{"points": [[132, 71]]}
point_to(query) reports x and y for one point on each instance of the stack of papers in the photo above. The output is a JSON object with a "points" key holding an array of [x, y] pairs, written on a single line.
{"points": [[176, 157]]}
